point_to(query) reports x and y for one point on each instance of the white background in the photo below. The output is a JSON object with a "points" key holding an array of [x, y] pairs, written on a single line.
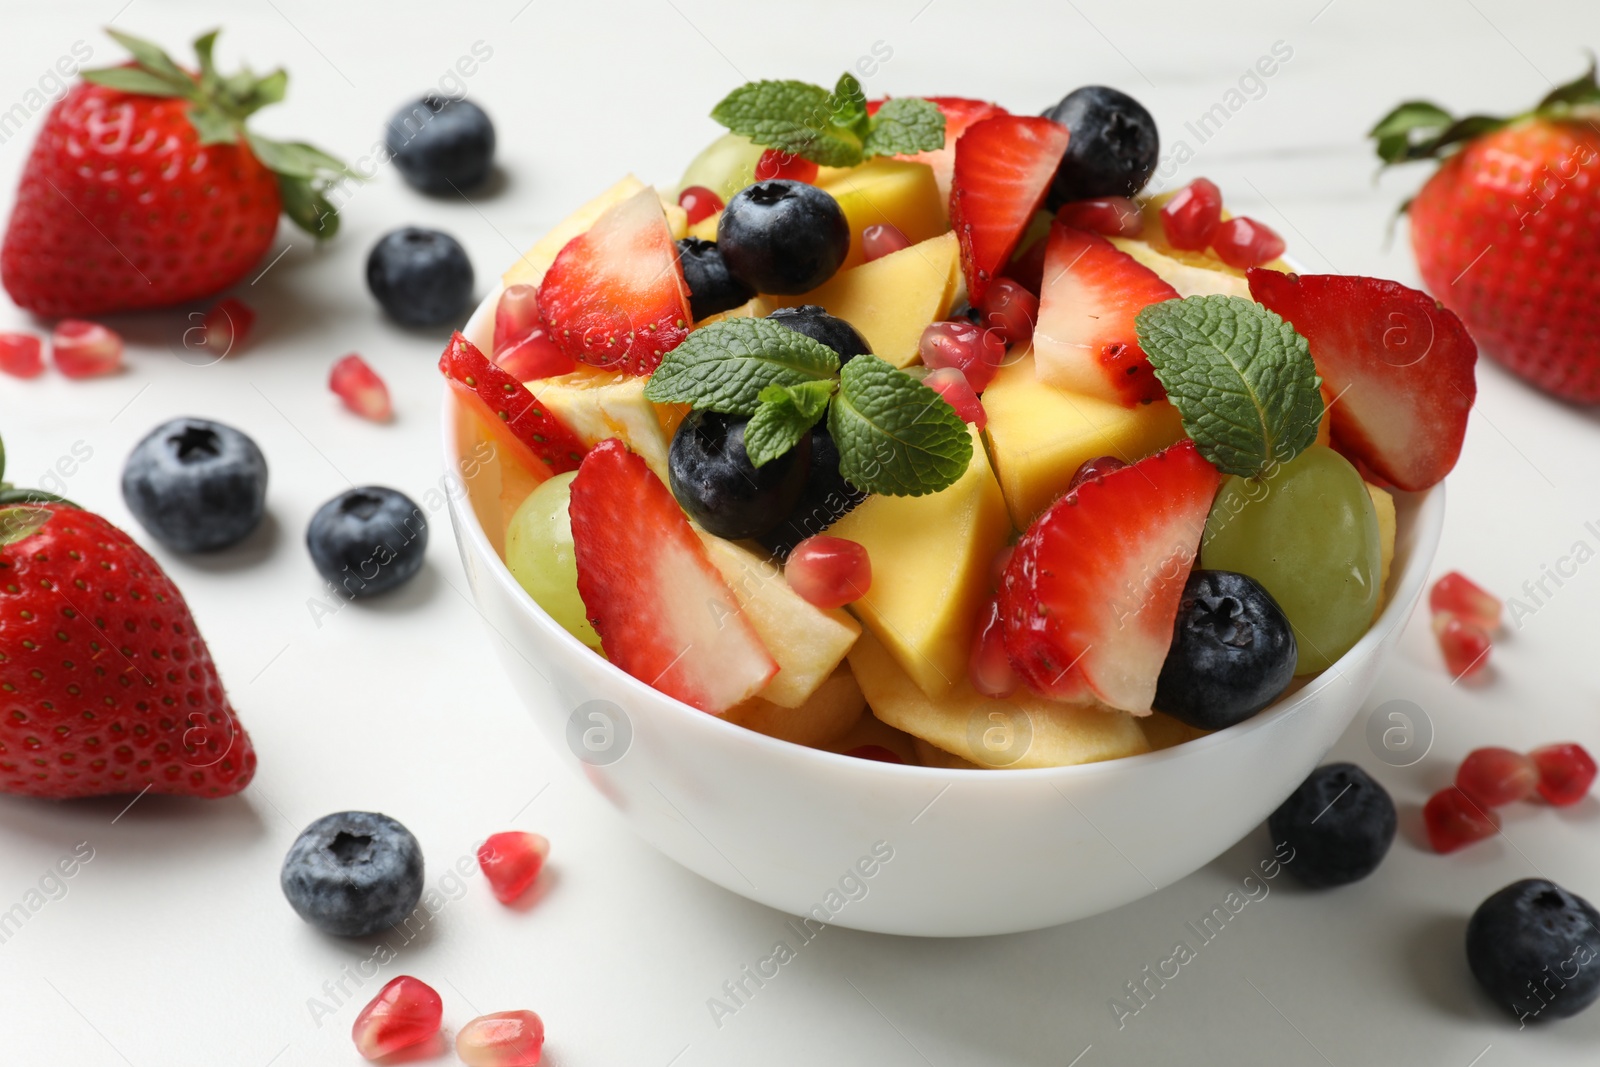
{"points": [[174, 945]]}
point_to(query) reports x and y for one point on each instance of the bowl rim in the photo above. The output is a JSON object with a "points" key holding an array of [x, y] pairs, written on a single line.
{"points": [[1424, 511]]}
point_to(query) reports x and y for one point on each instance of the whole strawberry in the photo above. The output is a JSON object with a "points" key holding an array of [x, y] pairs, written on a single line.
{"points": [[105, 684], [145, 189], [1504, 232]]}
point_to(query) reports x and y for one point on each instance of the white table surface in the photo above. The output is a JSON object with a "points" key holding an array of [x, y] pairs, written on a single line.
{"points": [[174, 946]]}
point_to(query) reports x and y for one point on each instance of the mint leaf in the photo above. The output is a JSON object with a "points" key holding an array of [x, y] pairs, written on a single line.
{"points": [[725, 366], [791, 116], [895, 435], [1241, 378], [905, 126], [786, 414], [850, 105]]}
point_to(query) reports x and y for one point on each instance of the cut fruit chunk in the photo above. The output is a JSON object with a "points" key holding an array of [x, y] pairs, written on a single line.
{"points": [[1186, 277], [871, 737], [1040, 435], [1383, 505], [1163, 731], [930, 570], [885, 192], [1004, 165], [615, 297], [1400, 364], [596, 404], [1085, 340], [808, 642], [959, 113], [827, 715], [660, 606], [1091, 594], [513, 418], [1019, 731], [530, 267]]}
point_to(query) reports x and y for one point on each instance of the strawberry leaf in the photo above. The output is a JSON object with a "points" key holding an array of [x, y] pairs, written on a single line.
{"points": [[1576, 93], [307, 207], [135, 80], [150, 56]]}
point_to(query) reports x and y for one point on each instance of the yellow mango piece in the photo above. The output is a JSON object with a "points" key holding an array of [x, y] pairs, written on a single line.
{"points": [[871, 730], [930, 570], [807, 642], [1040, 435], [903, 195], [1154, 236], [934, 756], [1197, 275], [706, 228], [596, 404], [1020, 731], [832, 709], [754, 308], [1163, 731], [1383, 504], [530, 268]]}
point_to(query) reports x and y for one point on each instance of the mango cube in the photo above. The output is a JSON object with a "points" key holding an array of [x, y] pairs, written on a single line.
{"points": [[596, 404], [828, 714], [903, 195]]}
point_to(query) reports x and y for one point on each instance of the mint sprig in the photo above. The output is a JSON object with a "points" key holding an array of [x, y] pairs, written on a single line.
{"points": [[785, 415], [895, 435], [725, 366], [832, 129], [1240, 376]]}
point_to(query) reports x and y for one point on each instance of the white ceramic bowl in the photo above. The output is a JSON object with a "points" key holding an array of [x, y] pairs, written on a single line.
{"points": [[969, 852]]}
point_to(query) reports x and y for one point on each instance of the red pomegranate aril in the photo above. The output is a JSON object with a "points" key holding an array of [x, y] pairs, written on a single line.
{"points": [[405, 1012], [21, 355], [952, 384], [85, 349], [227, 326], [699, 203], [362, 391], [502, 1039], [875, 752], [1496, 776], [1464, 598], [1465, 645], [1114, 216], [880, 239], [511, 861], [1008, 307], [989, 668], [1566, 771], [1098, 467], [1454, 820], [1192, 216], [966, 346], [829, 572], [776, 164], [1243, 243], [522, 343]]}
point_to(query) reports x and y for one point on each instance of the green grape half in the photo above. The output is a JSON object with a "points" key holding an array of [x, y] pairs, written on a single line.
{"points": [[1309, 534], [539, 553], [725, 166]]}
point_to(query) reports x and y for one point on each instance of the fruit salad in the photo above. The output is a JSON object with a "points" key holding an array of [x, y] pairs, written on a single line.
{"points": [[918, 430]]}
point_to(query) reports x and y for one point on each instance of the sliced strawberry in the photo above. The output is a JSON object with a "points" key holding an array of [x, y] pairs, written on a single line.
{"points": [[1400, 366], [1085, 340], [1091, 594], [615, 296], [529, 433], [660, 606], [959, 113], [1003, 167]]}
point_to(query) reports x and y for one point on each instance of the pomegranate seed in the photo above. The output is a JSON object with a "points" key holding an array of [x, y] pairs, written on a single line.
{"points": [[405, 1012], [85, 349], [879, 239], [875, 752], [952, 384], [699, 203], [829, 572], [1114, 216], [1011, 309], [362, 391], [21, 355], [1496, 776], [1193, 214], [1460, 595], [1465, 645], [227, 325], [1454, 820], [1244, 243], [1566, 771], [777, 164], [522, 344], [989, 667], [966, 346], [1027, 267], [1098, 467], [512, 861], [502, 1039]]}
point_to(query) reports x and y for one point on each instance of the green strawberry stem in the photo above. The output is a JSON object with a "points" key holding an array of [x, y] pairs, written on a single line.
{"points": [[219, 106]]}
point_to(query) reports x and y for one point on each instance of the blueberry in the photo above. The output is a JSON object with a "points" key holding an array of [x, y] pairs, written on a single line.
{"points": [[441, 145], [1114, 145], [826, 498], [711, 287], [715, 483], [1340, 824], [1535, 949], [1232, 652], [368, 540], [353, 873], [196, 485], [825, 329], [421, 277], [783, 237]]}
